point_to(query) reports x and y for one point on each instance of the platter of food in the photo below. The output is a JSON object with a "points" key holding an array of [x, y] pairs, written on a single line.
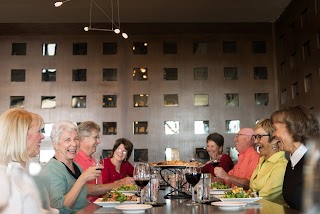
{"points": [[237, 194], [112, 199]]}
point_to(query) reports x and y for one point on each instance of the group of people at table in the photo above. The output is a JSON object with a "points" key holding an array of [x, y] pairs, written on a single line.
{"points": [[67, 182]]}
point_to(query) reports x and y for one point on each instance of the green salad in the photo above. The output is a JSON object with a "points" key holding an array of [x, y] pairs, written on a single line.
{"points": [[127, 187], [114, 196], [237, 192], [216, 185]]}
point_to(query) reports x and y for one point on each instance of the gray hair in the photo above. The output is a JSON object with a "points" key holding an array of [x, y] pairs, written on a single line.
{"points": [[85, 128], [59, 127]]}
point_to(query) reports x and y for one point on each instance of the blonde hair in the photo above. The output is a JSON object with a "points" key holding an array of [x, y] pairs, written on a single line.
{"points": [[15, 124]]}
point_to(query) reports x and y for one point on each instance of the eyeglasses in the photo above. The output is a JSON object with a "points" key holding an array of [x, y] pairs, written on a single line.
{"points": [[259, 136], [123, 151], [96, 137]]}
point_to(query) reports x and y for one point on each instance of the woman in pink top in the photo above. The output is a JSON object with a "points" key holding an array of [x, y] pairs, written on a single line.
{"points": [[117, 166]]}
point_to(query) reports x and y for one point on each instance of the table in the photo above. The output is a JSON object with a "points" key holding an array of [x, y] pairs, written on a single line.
{"points": [[178, 206]]}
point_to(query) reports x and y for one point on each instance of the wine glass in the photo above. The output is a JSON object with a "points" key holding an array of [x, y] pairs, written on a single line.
{"points": [[141, 176], [98, 161], [192, 175], [216, 161]]}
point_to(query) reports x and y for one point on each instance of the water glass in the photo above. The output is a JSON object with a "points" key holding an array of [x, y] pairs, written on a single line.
{"points": [[203, 187], [150, 192]]}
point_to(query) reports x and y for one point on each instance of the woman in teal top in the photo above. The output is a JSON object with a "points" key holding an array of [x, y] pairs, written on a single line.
{"points": [[66, 184], [267, 178]]}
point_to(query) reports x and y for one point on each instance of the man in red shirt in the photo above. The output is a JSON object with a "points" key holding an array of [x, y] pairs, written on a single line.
{"points": [[89, 140], [248, 160]]}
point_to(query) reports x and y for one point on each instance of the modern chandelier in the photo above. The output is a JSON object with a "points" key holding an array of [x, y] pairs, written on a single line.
{"points": [[115, 26]]}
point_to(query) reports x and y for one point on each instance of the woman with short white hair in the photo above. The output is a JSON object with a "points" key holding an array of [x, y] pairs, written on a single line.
{"points": [[64, 179]]}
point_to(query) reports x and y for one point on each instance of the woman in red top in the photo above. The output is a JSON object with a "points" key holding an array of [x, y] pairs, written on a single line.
{"points": [[215, 143], [117, 167]]}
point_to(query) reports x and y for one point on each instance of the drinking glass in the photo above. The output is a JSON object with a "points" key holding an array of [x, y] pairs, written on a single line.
{"points": [[98, 161], [216, 161], [141, 176], [192, 175]]}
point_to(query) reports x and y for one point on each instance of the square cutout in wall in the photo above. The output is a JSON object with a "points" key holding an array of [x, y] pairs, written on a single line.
{"points": [[109, 101], [140, 127], [49, 75], [18, 75], [48, 102], [109, 128], [16, 101], [140, 155], [106, 153], [79, 102], [201, 100]]}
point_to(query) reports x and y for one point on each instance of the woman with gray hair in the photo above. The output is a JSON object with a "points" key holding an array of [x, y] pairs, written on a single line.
{"points": [[66, 184], [295, 127]]}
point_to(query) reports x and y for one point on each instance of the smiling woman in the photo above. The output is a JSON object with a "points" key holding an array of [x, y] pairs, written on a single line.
{"points": [[66, 184], [267, 178], [295, 127], [117, 166], [20, 140]]}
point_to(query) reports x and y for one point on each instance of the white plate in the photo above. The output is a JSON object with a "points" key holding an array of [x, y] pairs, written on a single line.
{"points": [[229, 205], [218, 191], [136, 208], [247, 200], [112, 203]]}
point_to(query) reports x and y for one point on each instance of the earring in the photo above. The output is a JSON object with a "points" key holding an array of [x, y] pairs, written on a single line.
{"points": [[275, 147]]}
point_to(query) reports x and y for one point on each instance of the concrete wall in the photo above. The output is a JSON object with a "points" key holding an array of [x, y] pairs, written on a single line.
{"points": [[186, 113]]}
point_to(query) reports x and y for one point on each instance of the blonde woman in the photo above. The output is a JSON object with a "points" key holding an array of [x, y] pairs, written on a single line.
{"points": [[20, 139], [267, 178]]}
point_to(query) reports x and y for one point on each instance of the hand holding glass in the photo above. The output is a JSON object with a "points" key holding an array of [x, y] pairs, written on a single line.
{"points": [[98, 160]]}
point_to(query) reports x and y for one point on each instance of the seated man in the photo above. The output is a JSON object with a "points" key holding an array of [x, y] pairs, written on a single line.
{"points": [[248, 160], [89, 140]]}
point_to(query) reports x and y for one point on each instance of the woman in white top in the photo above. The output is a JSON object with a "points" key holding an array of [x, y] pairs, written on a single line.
{"points": [[20, 139]]}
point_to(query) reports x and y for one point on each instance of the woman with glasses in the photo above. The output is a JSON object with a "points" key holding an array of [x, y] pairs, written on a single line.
{"points": [[295, 127], [267, 178], [117, 166]]}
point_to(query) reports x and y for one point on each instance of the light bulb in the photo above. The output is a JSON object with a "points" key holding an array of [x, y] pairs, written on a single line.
{"points": [[86, 28], [124, 35], [117, 30], [58, 3]]}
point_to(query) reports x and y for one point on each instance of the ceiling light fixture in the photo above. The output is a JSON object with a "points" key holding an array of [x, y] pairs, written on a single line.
{"points": [[115, 27], [59, 3]]}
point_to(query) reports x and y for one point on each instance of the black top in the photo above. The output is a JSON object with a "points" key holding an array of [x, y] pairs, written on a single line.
{"points": [[293, 184], [76, 169]]}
